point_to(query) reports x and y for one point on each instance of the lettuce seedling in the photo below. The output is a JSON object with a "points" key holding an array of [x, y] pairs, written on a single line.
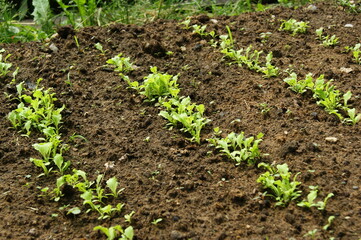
{"points": [[189, 115], [293, 26], [60, 163], [43, 164], [45, 149], [352, 117], [269, 70], [113, 232], [278, 182], [299, 86], [327, 41], [321, 205], [200, 30], [112, 184], [122, 64], [356, 52], [4, 66], [158, 85], [239, 148]]}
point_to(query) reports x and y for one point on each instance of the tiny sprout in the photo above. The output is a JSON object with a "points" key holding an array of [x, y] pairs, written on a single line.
{"points": [[128, 217], [74, 211], [156, 221], [99, 47], [329, 222]]}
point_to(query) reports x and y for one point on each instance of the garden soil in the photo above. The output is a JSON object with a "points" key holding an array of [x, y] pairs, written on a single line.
{"points": [[195, 191]]}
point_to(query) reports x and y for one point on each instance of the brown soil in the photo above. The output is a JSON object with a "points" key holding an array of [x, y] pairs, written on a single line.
{"points": [[197, 194]]}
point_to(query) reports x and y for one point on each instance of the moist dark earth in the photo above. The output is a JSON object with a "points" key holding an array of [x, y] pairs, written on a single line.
{"points": [[197, 192]]}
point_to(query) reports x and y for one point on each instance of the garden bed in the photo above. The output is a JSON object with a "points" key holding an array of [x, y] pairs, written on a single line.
{"points": [[194, 191]]}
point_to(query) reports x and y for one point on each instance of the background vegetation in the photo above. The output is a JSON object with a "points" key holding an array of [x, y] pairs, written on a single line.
{"points": [[28, 20]]}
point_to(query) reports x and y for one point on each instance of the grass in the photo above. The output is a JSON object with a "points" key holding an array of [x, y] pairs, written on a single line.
{"points": [[92, 13]]}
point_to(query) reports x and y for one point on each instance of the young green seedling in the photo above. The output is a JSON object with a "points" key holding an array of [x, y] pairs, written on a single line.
{"points": [[122, 64], [293, 26], [327, 41], [158, 85], [186, 23], [356, 52], [113, 232], [60, 163], [278, 181], [112, 184], [239, 148], [189, 115], [269, 70], [321, 205], [200, 30], [4, 66], [99, 47]]}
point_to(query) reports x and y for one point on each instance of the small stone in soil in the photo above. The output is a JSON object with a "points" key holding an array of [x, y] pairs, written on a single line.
{"points": [[331, 139]]}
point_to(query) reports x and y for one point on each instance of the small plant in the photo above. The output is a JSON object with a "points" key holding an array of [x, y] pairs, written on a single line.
{"points": [[158, 85], [122, 64], [201, 30], [350, 5], [353, 118], [356, 52], [327, 41], [278, 181], [265, 36], [112, 184], [329, 223], [189, 115], [311, 233], [114, 231], [186, 23], [4, 66], [239, 148], [293, 26], [265, 108], [128, 217], [321, 205], [299, 86], [269, 70], [156, 221], [99, 47], [36, 110]]}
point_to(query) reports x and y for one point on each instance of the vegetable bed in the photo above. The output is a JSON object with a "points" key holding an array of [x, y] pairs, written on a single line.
{"points": [[254, 150]]}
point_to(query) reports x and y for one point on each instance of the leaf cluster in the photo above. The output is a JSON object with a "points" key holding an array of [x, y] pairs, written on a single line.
{"points": [[157, 85], [311, 197], [294, 26], [327, 41], [122, 64], [356, 52], [114, 232], [239, 148], [247, 57], [4, 66], [187, 114], [277, 180], [326, 95]]}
